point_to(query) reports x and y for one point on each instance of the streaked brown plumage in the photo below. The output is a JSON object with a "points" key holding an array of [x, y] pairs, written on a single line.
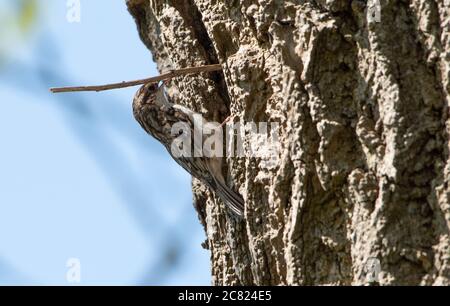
{"points": [[156, 114]]}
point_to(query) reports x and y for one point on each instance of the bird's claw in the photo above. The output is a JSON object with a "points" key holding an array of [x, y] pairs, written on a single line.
{"points": [[227, 119]]}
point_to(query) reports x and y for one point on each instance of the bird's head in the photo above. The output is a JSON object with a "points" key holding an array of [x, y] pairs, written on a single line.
{"points": [[145, 95], [153, 111]]}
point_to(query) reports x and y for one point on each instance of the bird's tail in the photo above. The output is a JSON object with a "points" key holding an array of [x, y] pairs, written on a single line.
{"points": [[231, 198]]}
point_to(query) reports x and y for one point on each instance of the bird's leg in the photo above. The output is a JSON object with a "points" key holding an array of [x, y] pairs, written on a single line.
{"points": [[166, 82], [227, 119]]}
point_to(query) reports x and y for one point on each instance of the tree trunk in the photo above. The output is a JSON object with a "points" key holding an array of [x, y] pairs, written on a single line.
{"points": [[361, 183]]}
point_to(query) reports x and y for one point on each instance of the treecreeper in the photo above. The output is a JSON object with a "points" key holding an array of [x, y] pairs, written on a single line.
{"points": [[158, 115]]}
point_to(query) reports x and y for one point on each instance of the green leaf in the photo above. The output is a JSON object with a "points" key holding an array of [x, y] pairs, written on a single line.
{"points": [[27, 14]]}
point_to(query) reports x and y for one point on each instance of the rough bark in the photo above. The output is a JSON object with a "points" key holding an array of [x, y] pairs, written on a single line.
{"points": [[364, 168]]}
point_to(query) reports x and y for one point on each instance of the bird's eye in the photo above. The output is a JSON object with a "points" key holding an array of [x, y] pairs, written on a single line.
{"points": [[152, 88], [170, 111], [148, 90]]}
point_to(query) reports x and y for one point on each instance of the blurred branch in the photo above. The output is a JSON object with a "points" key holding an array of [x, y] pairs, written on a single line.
{"points": [[90, 121], [88, 125]]}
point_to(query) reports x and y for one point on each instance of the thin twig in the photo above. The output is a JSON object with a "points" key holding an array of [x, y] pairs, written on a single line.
{"points": [[164, 76]]}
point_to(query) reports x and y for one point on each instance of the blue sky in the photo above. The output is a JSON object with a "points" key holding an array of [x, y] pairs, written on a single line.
{"points": [[78, 177]]}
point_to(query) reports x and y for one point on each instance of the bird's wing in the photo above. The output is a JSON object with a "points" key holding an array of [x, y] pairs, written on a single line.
{"points": [[196, 120], [198, 169], [208, 170]]}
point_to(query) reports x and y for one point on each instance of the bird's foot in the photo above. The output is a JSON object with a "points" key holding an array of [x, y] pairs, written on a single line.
{"points": [[227, 119]]}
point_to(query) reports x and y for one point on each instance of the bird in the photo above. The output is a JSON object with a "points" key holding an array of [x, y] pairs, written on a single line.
{"points": [[156, 113]]}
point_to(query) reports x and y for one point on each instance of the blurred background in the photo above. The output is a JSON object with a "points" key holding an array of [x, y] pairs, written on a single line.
{"points": [[86, 197]]}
